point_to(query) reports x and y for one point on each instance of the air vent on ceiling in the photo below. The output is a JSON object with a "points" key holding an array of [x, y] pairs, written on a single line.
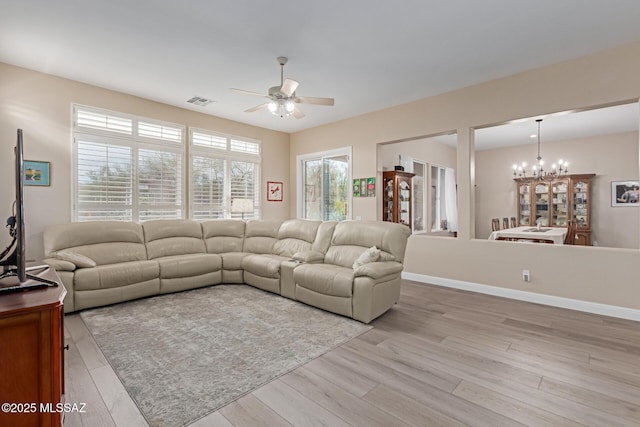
{"points": [[198, 100]]}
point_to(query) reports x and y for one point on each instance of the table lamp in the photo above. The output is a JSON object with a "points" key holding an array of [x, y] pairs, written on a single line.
{"points": [[241, 206]]}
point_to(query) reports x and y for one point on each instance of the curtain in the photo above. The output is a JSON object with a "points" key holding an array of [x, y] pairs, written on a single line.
{"points": [[450, 199]]}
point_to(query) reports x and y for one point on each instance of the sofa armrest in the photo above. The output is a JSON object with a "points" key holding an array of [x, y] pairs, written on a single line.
{"points": [[60, 265], [378, 269], [311, 257]]}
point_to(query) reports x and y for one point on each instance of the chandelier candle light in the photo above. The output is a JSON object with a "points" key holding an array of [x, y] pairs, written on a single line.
{"points": [[537, 171]]}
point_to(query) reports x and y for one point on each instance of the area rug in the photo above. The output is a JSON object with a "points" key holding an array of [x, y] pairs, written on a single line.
{"points": [[182, 356]]}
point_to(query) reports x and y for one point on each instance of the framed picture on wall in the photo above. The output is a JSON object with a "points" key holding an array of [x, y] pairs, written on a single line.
{"points": [[371, 187], [36, 173], [274, 191], [625, 193], [356, 187]]}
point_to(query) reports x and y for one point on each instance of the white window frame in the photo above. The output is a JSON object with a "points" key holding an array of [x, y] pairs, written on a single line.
{"points": [[302, 158], [228, 154], [133, 141]]}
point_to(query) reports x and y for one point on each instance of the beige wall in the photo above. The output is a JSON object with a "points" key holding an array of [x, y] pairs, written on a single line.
{"points": [[600, 275], [428, 150], [40, 104], [610, 157]]}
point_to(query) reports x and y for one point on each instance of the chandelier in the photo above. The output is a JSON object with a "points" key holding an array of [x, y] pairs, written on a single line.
{"points": [[281, 107], [537, 171]]}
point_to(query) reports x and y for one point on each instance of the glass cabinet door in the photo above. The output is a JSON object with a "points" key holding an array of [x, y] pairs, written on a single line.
{"points": [[541, 204], [581, 203], [387, 206], [559, 204], [524, 204], [404, 209]]}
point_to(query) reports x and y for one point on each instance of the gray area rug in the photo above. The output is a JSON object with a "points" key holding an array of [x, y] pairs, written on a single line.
{"points": [[182, 356]]}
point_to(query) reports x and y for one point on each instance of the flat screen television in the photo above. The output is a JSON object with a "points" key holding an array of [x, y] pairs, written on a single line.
{"points": [[13, 260]]}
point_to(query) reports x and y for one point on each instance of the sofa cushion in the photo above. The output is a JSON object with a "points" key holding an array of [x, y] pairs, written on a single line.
{"points": [[188, 265], [167, 237], [260, 236], [301, 229], [223, 235], [351, 238], [323, 237], [115, 275], [325, 279], [263, 265]]}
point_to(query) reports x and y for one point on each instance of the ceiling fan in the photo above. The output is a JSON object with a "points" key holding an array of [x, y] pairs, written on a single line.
{"points": [[282, 99]]}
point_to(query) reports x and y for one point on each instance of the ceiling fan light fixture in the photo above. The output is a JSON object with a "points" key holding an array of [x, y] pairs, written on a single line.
{"points": [[289, 105], [281, 107], [283, 99]]}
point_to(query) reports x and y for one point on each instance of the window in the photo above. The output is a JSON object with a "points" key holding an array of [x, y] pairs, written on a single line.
{"points": [[223, 168], [444, 212], [126, 168], [323, 185], [129, 168]]}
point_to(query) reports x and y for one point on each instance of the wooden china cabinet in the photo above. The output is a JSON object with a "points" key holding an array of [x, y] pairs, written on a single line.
{"points": [[397, 196], [551, 203]]}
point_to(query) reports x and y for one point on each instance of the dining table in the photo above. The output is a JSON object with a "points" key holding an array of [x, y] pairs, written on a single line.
{"points": [[553, 235]]}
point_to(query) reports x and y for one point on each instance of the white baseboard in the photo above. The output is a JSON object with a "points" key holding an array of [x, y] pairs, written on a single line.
{"points": [[572, 304]]}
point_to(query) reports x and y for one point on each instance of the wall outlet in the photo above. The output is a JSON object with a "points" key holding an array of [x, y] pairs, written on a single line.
{"points": [[358, 218], [526, 275]]}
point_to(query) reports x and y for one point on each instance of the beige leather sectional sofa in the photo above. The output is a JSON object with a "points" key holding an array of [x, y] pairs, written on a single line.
{"points": [[103, 263]]}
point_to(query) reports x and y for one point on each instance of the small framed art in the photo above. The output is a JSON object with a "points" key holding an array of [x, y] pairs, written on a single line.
{"points": [[37, 173], [625, 193], [274, 191], [356, 187]]}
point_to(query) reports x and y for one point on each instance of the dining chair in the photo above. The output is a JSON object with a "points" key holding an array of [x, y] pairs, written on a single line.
{"points": [[514, 224], [495, 224], [505, 222], [570, 237]]}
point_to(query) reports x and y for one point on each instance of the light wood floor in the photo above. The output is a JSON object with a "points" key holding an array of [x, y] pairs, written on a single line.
{"points": [[440, 357]]}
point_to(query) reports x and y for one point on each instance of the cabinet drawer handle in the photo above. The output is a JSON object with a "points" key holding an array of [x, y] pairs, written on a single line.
{"points": [[66, 347]]}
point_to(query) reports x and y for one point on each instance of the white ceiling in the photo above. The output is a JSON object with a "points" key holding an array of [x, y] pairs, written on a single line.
{"points": [[560, 127], [367, 54]]}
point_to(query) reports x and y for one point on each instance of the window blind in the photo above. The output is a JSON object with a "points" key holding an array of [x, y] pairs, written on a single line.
{"points": [[103, 121], [126, 167], [159, 184], [207, 188], [223, 168], [104, 181]]}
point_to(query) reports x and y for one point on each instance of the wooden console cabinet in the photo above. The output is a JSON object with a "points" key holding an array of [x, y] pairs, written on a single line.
{"points": [[31, 354]]}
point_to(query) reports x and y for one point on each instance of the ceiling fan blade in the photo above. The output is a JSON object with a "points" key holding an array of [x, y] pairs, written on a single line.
{"points": [[297, 113], [314, 100], [288, 87], [256, 108], [248, 92]]}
